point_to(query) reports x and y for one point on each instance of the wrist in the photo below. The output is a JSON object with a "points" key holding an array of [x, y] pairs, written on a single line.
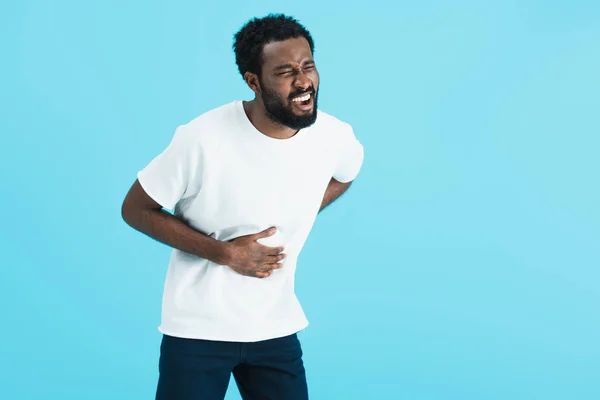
{"points": [[223, 253]]}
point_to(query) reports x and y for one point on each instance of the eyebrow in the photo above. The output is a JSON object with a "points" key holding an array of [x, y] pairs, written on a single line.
{"points": [[289, 66]]}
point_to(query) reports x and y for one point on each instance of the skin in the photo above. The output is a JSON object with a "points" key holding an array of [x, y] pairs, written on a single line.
{"points": [[244, 254], [288, 68], [334, 190]]}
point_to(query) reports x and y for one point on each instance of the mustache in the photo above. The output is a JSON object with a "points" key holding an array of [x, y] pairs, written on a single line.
{"points": [[311, 90]]}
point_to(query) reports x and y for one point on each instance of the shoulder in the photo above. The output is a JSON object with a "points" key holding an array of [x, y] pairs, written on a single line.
{"points": [[327, 120], [207, 126], [334, 127]]}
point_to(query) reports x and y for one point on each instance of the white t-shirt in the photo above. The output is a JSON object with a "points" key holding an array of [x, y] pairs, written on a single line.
{"points": [[226, 179]]}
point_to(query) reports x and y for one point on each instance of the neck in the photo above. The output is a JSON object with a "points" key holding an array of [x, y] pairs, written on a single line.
{"points": [[257, 115]]}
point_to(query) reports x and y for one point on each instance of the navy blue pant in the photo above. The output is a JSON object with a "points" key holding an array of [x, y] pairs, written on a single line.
{"points": [[193, 369]]}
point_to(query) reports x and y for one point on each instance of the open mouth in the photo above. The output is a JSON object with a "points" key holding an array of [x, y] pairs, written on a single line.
{"points": [[304, 102]]}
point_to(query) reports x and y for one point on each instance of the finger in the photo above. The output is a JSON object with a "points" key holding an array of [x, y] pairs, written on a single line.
{"points": [[271, 266], [273, 251], [276, 258], [261, 274], [266, 233]]}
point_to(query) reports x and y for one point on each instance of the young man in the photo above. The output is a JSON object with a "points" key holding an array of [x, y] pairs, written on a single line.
{"points": [[246, 181]]}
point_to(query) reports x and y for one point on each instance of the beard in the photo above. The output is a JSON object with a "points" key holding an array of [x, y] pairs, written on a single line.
{"points": [[282, 112]]}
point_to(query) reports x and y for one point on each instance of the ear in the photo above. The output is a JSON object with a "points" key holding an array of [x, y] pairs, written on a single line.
{"points": [[252, 82]]}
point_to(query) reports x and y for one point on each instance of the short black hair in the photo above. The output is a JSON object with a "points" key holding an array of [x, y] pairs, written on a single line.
{"points": [[250, 40]]}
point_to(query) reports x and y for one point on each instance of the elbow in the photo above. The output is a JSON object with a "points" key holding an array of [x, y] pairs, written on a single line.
{"points": [[125, 213], [136, 205], [128, 213]]}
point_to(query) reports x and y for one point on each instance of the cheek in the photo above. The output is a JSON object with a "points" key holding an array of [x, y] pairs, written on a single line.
{"points": [[279, 90], [315, 79], [284, 90], [284, 94]]}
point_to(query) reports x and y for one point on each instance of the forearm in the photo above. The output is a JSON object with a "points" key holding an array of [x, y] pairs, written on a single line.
{"points": [[334, 190], [170, 230]]}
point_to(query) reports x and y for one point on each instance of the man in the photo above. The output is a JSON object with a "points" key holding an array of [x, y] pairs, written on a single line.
{"points": [[246, 181]]}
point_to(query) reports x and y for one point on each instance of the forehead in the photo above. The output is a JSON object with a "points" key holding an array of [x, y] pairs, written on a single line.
{"points": [[287, 51]]}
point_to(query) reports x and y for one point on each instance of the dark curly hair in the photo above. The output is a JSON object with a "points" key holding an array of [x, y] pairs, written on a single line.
{"points": [[256, 33]]}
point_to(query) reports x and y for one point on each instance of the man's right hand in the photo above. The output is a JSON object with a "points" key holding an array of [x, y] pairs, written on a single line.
{"points": [[248, 257]]}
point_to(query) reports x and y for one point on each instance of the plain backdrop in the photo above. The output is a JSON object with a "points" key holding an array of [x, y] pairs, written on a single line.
{"points": [[462, 264]]}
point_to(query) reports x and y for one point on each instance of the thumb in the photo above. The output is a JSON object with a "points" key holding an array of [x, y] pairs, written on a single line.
{"points": [[266, 233]]}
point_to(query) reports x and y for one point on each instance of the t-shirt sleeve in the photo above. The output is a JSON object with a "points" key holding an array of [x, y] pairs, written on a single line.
{"points": [[174, 173], [350, 155]]}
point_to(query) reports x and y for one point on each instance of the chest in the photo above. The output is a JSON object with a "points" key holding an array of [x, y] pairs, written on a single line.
{"points": [[256, 186]]}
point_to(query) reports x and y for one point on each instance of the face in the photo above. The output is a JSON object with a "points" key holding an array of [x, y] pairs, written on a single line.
{"points": [[289, 83]]}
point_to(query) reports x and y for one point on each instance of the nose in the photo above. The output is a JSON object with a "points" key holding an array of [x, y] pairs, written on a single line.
{"points": [[302, 81]]}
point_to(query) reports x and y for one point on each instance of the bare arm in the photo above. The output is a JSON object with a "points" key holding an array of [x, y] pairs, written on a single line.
{"points": [[244, 254], [142, 213], [334, 190]]}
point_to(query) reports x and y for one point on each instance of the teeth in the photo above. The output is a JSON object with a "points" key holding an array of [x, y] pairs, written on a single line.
{"points": [[303, 98]]}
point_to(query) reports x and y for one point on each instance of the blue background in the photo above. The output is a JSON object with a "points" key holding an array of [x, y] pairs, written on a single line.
{"points": [[462, 264]]}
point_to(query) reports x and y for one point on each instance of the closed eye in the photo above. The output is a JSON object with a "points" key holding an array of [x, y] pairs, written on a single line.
{"points": [[288, 72]]}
